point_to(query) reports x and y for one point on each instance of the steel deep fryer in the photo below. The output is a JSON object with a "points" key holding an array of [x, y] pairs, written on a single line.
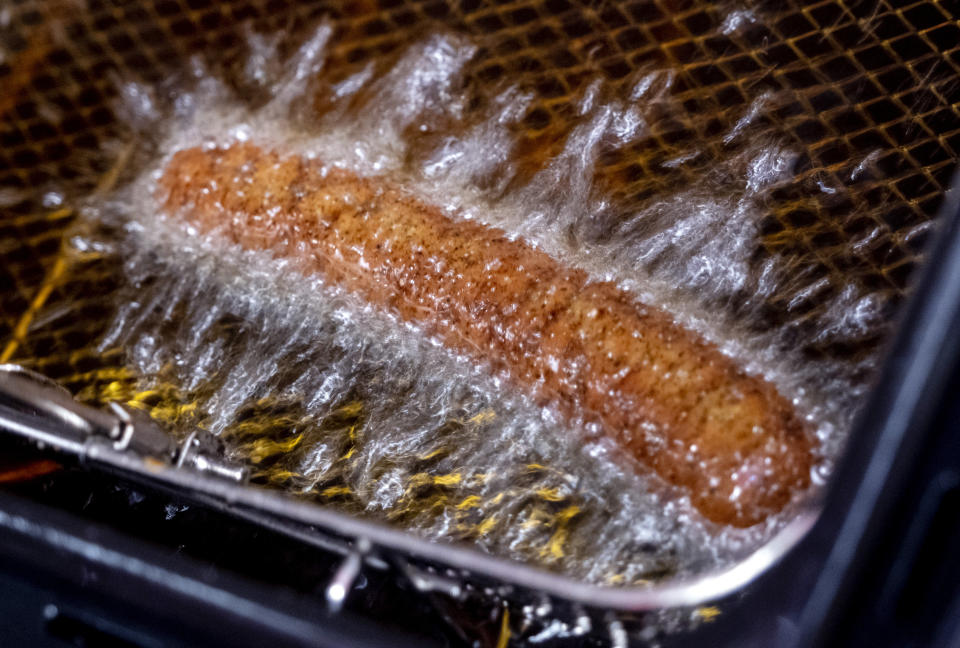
{"points": [[864, 558], [864, 76]]}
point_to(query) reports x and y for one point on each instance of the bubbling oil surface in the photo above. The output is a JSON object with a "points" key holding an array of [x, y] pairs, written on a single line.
{"points": [[332, 399]]}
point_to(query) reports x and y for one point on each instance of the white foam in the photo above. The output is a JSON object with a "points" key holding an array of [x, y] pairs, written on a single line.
{"points": [[689, 250]]}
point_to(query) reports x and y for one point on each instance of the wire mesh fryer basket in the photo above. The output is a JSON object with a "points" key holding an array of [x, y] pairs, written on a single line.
{"points": [[871, 79]]}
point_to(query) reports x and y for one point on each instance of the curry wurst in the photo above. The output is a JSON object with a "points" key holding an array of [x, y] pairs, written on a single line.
{"points": [[669, 398]]}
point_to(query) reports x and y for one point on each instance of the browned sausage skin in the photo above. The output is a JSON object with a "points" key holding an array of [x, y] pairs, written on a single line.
{"points": [[671, 399]]}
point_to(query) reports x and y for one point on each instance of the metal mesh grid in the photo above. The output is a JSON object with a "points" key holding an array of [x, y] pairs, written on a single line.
{"points": [[850, 79], [849, 82]]}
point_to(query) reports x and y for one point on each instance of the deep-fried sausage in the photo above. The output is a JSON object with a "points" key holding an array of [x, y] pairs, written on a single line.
{"points": [[668, 397]]}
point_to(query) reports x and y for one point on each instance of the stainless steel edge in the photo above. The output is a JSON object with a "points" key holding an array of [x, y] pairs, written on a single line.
{"points": [[40, 393]]}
